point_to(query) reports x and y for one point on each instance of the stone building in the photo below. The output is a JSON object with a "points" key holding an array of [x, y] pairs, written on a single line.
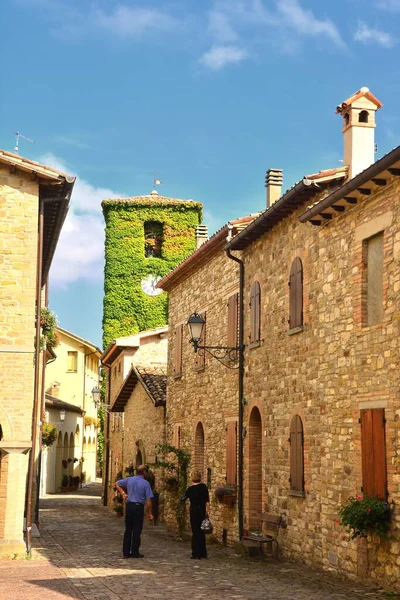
{"points": [[70, 378], [34, 201], [202, 393], [136, 398], [321, 323]]}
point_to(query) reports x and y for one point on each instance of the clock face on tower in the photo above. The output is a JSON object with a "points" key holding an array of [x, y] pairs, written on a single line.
{"points": [[149, 285]]}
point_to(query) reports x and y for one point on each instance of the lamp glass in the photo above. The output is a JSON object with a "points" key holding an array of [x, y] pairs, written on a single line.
{"points": [[62, 415], [96, 393], [195, 324]]}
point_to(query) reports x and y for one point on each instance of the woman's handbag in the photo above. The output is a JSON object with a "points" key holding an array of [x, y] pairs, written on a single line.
{"points": [[206, 525]]}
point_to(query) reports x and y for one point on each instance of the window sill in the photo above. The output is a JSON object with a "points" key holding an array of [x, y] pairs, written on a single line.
{"points": [[178, 376], [199, 369], [254, 345], [295, 330], [296, 493]]}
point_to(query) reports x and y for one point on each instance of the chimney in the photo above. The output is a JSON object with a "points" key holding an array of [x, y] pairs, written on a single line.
{"points": [[273, 183], [358, 114], [201, 233], [55, 389]]}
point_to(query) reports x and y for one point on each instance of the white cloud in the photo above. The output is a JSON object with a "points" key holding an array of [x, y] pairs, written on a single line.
{"points": [[221, 56], [80, 249], [305, 23], [129, 21], [368, 35]]}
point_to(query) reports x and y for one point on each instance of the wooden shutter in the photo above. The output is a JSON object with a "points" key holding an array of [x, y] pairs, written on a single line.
{"points": [[200, 355], [233, 316], [296, 455], [231, 452], [296, 294], [255, 306], [178, 351], [373, 451]]}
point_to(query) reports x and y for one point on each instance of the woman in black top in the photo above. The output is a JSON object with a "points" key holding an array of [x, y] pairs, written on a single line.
{"points": [[199, 508]]}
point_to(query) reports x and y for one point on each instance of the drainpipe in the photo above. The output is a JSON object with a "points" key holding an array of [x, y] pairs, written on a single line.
{"points": [[240, 389], [36, 395]]}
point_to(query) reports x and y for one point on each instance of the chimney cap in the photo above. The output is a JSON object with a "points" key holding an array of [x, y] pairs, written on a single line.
{"points": [[362, 92]]}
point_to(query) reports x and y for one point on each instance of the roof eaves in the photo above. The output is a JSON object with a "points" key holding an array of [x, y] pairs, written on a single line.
{"points": [[80, 339], [386, 162]]}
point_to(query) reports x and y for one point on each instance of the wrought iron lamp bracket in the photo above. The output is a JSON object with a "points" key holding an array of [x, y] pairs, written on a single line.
{"points": [[221, 353]]}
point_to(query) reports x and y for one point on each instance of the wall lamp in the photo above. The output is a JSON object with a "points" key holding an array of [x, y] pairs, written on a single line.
{"points": [[221, 353], [96, 395]]}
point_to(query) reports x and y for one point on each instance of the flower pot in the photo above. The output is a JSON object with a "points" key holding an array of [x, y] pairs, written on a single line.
{"points": [[229, 500]]}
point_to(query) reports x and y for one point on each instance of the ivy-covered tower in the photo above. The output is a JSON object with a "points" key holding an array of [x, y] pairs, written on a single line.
{"points": [[146, 237]]}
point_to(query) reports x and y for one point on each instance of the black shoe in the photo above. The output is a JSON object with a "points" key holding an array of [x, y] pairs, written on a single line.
{"points": [[193, 557], [126, 556], [138, 555]]}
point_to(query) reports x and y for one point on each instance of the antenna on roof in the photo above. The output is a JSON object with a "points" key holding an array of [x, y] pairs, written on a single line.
{"points": [[19, 135]]}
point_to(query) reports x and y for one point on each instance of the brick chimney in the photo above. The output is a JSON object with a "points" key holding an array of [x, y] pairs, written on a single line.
{"points": [[273, 183], [358, 114], [201, 233]]}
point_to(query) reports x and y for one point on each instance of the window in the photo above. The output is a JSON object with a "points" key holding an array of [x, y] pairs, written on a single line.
{"points": [[231, 452], [372, 296], [296, 457], [176, 438], [363, 116], [233, 315], [200, 355], [296, 294], [153, 239], [72, 362], [255, 309], [178, 351], [199, 449], [373, 452]]}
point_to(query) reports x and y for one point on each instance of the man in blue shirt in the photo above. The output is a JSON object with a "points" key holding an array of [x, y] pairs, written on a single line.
{"points": [[137, 493]]}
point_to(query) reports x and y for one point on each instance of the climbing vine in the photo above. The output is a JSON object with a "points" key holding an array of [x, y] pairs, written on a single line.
{"points": [[127, 309], [176, 463]]}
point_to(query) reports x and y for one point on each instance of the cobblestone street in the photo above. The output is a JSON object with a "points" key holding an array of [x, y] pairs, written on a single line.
{"points": [[78, 556]]}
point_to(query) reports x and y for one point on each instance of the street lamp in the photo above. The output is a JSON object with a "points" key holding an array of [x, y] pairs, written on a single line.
{"points": [[221, 353], [62, 416], [96, 394]]}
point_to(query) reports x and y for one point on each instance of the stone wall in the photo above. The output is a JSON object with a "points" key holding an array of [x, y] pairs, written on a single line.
{"points": [[208, 396], [18, 255], [326, 374]]}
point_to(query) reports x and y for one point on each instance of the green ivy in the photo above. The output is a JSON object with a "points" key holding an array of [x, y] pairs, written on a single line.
{"points": [[127, 309], [48, 324], [177, 479]]}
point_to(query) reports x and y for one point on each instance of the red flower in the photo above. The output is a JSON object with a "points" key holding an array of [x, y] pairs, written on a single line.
{"points": [[359, 497]]}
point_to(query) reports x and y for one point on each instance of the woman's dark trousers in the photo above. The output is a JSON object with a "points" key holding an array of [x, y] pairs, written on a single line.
{"points": [[197, 514], [133, 528]]}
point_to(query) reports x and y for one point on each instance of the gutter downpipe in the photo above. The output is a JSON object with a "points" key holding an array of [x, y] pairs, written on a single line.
{"points": [[240, 389], [31, 468]]}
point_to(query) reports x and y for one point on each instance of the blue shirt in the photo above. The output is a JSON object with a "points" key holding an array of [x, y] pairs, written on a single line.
{"points": [[137, 488]]}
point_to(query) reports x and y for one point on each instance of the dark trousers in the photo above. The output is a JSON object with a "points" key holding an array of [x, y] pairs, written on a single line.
{"points": [[197, 514], [133, 528]]}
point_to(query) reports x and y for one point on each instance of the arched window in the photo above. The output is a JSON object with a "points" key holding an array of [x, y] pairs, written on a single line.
{"points": [[346, 119], [153, 239], [255, 310], [296, 294], [296, 456], [363, 116], [199, 449]]}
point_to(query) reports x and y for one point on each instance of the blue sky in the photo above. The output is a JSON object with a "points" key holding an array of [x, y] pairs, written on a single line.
{"points": [[209, 93]]}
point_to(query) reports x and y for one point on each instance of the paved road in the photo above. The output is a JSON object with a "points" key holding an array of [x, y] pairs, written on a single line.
{"points": [[78, 556]]}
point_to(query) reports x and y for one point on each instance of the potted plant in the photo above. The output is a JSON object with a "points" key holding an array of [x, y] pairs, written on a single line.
{"points": [[49, 434], [226, 495], [64, 484], [365, 516], [118, 509]]}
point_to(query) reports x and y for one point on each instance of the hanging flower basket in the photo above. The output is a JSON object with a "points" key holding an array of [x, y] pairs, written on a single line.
{"points": [[365, 516], [226, 495]]}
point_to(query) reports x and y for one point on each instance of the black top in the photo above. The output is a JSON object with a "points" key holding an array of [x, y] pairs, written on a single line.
{"points": [[198, 495]]}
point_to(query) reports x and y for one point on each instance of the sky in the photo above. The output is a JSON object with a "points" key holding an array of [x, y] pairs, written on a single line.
{"points": [[209, 94]]}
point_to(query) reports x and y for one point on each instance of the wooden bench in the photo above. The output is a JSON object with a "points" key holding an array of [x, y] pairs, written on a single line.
{"points": [[267, 533]]}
